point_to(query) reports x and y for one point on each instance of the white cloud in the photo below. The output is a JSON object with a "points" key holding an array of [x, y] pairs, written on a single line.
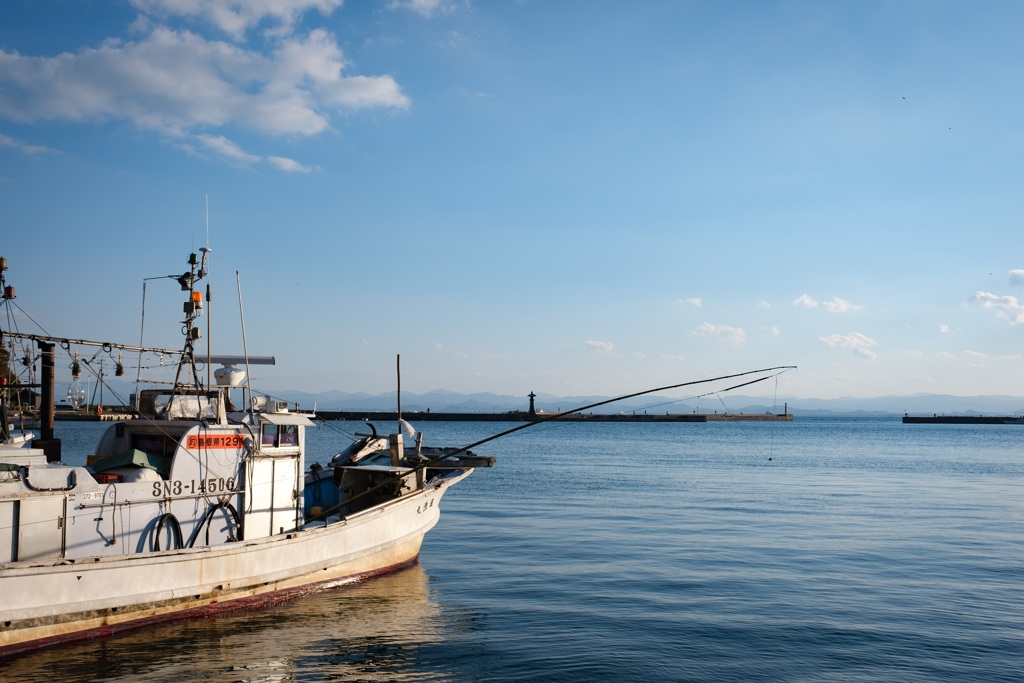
{"points": [[603, 347], [289, 165], [733, 335], [189, 87], [6, 141], [836, 305], [227, 149], [694, 301], [944, 329], [177, 82], [425, 7], [1017, 277], [235, 17], [860, 343], [805, 301], [1006, 307], [764, 304]]}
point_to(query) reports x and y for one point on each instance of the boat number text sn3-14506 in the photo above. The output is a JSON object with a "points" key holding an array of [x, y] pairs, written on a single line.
{"points": [[192, 487]]}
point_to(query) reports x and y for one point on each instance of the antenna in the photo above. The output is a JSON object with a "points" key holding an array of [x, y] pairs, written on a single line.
{"points": [[142, 329], [209, 314], [206, 252], [207, 220], [245, 347]]}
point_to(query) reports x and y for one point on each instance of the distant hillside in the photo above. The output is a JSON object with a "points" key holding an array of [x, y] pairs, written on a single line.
{"points": [[446, 401]]}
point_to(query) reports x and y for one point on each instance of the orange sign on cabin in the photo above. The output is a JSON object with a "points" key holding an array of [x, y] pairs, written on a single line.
{"points": [[215, 441]]}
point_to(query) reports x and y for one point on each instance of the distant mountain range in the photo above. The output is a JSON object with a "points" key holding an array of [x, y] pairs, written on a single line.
{"points": [[447, 401]]}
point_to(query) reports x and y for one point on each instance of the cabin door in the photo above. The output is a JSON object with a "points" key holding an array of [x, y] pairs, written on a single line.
{"points": [[39, 532], [272, 496]]}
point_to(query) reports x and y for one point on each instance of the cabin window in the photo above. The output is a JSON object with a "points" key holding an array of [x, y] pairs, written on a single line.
{"points": [[157, 445], [269, 435], [289, 435], [280, 435]]}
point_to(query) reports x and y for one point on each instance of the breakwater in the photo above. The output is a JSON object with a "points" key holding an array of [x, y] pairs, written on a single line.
{"points": [[961, 420]]}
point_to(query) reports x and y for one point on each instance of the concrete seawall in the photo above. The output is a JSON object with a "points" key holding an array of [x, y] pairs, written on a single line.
{"points": [[961, 420]]}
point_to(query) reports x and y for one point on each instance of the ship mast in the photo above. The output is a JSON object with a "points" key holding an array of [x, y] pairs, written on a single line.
{"points": [[193, 309]]}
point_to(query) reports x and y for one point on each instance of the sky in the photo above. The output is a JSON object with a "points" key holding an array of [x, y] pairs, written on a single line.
{"points": [[581, 197]]}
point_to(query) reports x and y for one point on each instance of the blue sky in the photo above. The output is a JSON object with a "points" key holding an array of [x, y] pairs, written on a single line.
{"points": [[572, 197]]}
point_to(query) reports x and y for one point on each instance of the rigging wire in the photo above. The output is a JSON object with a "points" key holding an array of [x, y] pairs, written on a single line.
{"points": [[24, 313], [775, 409], [750, 440]]}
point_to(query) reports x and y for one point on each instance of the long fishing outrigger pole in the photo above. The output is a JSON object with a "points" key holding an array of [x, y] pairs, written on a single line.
{"points": [[555, 416]]}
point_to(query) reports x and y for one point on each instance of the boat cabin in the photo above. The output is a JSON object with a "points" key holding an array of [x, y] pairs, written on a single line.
{"points": [[182, 474]]}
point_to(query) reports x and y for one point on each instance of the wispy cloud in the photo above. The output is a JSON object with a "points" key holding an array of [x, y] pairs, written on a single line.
{"points": [[425, 7], [805, 301], [1017, 277], [860, 343], [222, 146], [6, 141], [236, 17], [465, 355], [836, 305], [600, 346], [733, 335], [694, 301], [1006, 307], [289, 165]]}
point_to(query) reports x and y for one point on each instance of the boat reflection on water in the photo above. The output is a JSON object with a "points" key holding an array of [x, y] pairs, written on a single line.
{"points": [[383, 629]]}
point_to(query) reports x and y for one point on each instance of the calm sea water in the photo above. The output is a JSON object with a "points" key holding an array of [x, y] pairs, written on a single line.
{"points": [[817, 550]]}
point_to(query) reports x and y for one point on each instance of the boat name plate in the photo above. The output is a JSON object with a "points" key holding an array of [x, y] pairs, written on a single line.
{"points": [[178, 487]]}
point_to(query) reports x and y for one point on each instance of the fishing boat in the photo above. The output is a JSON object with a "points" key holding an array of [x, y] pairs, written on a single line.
{"points": [[193, 505]]}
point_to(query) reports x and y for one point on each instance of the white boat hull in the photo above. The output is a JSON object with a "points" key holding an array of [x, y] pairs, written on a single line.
{"points": [[50, 602]]}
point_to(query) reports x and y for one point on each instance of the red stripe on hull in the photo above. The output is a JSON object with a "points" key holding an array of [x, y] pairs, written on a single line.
{"points": [[253, 602]]}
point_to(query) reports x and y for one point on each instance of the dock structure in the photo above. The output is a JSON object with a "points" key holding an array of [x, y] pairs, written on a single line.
{"points": [[961, 420], [76, 416]]}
